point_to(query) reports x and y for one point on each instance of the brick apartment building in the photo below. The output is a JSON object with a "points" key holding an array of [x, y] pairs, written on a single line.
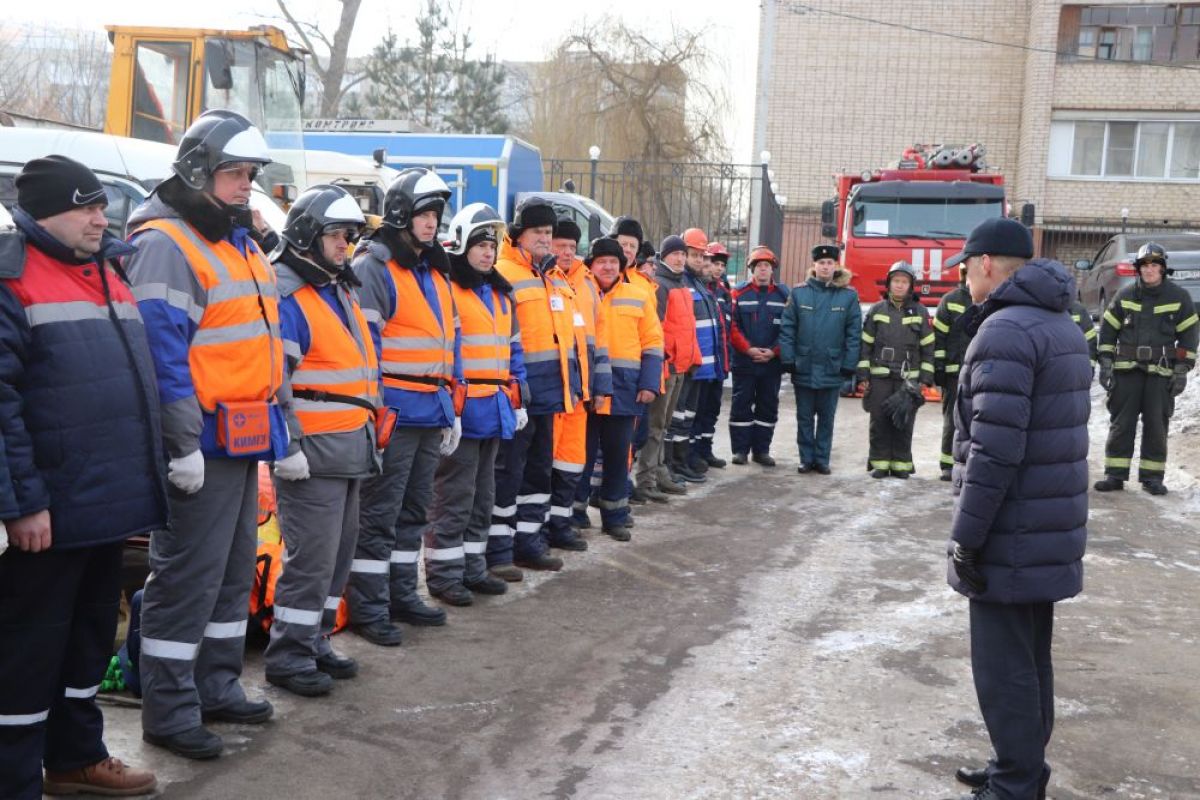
{"points": [[1086, 108]]}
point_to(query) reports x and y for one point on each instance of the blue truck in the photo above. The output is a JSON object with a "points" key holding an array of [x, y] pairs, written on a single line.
{"points": [[494, 169]]}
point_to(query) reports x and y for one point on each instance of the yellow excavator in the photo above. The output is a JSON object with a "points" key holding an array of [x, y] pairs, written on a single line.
{"points": [[163, 78]]}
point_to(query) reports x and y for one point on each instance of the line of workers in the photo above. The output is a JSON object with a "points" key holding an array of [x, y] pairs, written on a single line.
{"points": [[466, 401]]}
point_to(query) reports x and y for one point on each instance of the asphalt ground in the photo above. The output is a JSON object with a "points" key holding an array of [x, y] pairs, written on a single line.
{"points": [[771, 636]]}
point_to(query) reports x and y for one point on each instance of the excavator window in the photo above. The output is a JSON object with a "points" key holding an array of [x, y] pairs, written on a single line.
{"points": [[160, 90]]}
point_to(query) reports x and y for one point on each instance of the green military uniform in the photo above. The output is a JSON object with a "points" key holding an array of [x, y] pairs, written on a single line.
{"points": [[897, 345], [1148, 338], [950, 342]]}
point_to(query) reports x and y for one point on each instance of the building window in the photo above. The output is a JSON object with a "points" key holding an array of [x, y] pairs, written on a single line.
{"points": [[1125, 150], [1138, 33]]}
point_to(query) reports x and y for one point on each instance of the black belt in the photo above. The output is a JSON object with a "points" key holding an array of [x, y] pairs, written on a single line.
{"points": [[428, 380], [1144, 353], [332, 397], [489, 381]]}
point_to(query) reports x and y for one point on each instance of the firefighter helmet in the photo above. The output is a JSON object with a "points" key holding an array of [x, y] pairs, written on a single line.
{"points": [[475, 223], [1152, 252], [904, 267], [412, 192], [696, 238], [762, 253], [217, 137], [319, 209]]}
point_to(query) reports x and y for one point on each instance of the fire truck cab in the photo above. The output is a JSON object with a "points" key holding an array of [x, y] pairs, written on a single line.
{"points": [[919, 210]]}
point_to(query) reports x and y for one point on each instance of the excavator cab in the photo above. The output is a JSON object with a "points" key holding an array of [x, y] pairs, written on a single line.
{"points": [[163, 78]]}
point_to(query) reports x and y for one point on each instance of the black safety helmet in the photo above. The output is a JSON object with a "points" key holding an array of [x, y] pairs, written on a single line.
{"points": [[217, 137], [1151, 252], [905, 267], [318, 209], [412, 192]]}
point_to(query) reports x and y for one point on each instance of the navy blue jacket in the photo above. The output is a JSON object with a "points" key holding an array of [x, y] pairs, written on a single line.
{"points": [[756, 320], [79, 412], [821, 332], [709, 331], [1021, 446]]}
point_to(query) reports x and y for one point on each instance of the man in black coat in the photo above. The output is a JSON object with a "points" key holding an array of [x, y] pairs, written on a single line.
{"points": [[1020, 477]]}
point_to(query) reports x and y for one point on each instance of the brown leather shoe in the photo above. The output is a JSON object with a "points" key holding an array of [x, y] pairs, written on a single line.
{"points": [[110, 778]]}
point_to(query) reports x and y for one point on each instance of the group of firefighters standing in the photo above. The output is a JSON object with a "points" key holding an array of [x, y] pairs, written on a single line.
{"points": [[470, 400]]}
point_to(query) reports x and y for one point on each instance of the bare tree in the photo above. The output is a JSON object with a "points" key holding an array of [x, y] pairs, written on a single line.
{"points": [[59, 74], [333, 74]]}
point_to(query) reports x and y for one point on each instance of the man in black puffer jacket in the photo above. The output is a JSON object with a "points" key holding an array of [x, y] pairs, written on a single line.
{"points": [[1020, 519]]}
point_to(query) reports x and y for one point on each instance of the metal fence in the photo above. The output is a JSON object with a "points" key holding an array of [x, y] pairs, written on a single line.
{"points": [[732, 203], [1070, 239]]}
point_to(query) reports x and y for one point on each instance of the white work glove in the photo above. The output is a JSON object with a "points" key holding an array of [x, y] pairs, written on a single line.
{"points": [[3, 538], [187, 473], [450, 437], [293, 468], [522, 417]]}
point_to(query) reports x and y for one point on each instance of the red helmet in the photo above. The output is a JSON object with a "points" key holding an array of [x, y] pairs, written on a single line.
{"points": [[717, 250], [694, 237], [762, 253]]}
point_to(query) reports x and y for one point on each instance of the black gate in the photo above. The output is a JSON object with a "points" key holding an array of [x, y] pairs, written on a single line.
{"points": [[732, 203]]}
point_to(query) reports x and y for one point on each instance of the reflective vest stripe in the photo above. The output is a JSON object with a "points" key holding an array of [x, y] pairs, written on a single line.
{"points": [[413, 340], [77, 311], [485, 338]]}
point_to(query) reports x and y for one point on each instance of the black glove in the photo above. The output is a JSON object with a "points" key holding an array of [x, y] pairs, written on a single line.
{"points": [[964, 567], [1178, 381], [926, 378], [1106, 374], [939, 376]]}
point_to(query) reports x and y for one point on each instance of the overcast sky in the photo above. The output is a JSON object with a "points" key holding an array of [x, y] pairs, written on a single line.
{"points": [[515, 30]]}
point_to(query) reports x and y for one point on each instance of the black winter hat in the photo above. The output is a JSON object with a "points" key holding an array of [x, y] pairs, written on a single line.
{"points": [[670, 245], [533, 212], [54, 184], [825, 251], [645, 252], [567, 229], [627, 226], [605, 246]]}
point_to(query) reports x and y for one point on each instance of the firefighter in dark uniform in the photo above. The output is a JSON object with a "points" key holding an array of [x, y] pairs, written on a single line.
{"points": [[950, 340], [1147, 347], [1083, 318], [897, 346]]}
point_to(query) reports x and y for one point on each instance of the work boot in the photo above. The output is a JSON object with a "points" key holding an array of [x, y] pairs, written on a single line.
{"points": [[569, 541], [197, 743], [713, 461], [381, 632], [668, 487], [681, 470], [509, 573], [312, 683], [822, 469], [901, 474], [580, 518], [696, 463], [337, 666], [879, 473], [739, 458], [764, 459], [984, 792], [544, 562], [415, 612], [650, 493], [488, 584], [1154, 487], [1109, 484], [947, 474], [110, 777], [619, 532], [247, 712], [804, 469], [972, 776], [636, 498], [455, 595]]}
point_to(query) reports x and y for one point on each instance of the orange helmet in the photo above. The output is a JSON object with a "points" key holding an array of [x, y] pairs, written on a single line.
{"points": [[717, 250], [694, 237], [762, 253]]}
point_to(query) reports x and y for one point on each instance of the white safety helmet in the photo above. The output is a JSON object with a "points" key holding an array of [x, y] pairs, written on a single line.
{"points": [[475, 222]]}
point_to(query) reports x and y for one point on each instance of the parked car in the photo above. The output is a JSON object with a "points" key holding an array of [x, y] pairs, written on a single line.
{"points": [[1100, 278], [129, 169]]}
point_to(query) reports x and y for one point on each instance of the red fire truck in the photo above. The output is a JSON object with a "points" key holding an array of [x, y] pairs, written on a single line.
{"points": [[919, 210]]}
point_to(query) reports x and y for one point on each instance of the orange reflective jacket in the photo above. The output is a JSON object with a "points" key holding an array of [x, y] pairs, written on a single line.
{"points": [[635, 345], [486, 339], [546, 317], [594, 359], [337, 362], [237, 352], [415, 343]]}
